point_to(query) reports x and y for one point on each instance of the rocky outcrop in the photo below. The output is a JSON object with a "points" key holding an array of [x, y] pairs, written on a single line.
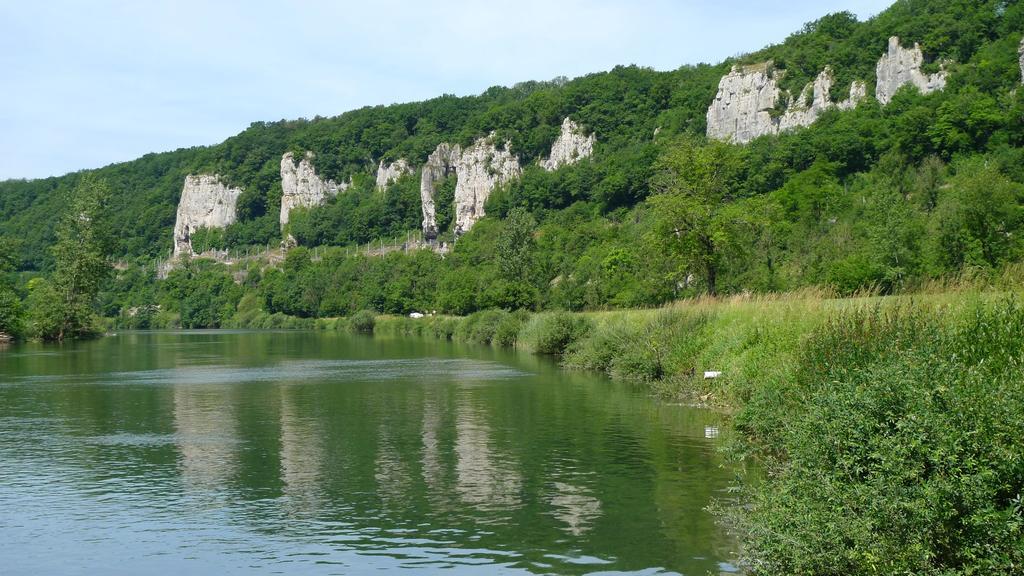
{"points": [[205, 203], [301, 187], [1020, 51], [478, 170], [571, 146], [814, 101], [440, 164], [481, 168], [742, 108], [388, 173], [901, 66], [748, 96]]}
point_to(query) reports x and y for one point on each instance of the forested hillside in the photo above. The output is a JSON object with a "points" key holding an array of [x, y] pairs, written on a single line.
{"points": [[881, 197]]}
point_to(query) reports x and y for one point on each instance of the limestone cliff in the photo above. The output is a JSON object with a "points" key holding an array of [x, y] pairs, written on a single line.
{"points": [[440, 164], [388, 173], [205, 203], [747, 96], [900, 66], [478, 170], [481, 168], [571, 146], [814, 101], [742, 108], [301, 187]]}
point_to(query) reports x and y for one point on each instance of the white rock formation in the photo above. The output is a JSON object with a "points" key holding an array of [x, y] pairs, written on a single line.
{"points": [[741, 110], [802, 112], [900, 66], [858, 92], [388, 173], [205, 203], [570, 147], [481, 168], [301, 187], [440, 164], [746, 97], [1021, 52], [478, 170]]}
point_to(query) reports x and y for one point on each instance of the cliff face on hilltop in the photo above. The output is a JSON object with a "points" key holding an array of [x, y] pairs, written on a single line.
{"points": [[901, 66], [571, 146], [301, 187], [205, 203], [747, 105], [388, 173]]}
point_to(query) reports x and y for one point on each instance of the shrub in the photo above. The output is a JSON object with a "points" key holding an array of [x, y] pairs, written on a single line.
{"points": [[363, 321], [507, 332], [899, 450], [553, 333]]}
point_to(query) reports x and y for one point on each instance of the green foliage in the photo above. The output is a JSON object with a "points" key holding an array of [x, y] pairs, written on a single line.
{"points": [[696, 181], [899, 452], [65, 306], [363, 321], [203, 293], [553, 333], [11, 313]]}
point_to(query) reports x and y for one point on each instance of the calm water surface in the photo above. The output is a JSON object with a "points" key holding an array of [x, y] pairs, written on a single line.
{"points": [[315, 453]]}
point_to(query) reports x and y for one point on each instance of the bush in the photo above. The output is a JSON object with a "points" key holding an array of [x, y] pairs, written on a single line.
{"points": [[553, 333], [363, 321], [900, 449], [480, 327], [507, 332]]}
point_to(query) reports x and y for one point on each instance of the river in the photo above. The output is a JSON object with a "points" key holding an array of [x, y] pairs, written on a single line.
{"points": [[223, 452]]}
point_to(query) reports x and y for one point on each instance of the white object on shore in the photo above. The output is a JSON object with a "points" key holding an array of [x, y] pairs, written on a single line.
{"points": [[415, 315], [711, 374]]}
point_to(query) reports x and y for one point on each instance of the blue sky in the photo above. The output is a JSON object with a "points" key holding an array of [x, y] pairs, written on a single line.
{"points": [[87, 83]]}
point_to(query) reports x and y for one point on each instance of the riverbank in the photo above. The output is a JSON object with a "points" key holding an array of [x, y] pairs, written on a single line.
{"points": [[889, 427]]}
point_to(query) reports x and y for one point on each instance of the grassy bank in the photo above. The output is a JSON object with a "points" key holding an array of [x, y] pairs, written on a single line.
{"points": [[891, 429]]}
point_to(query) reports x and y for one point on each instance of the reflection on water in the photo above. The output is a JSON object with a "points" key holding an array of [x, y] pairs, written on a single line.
{"points": [[484, 479], [305, 453], [574, 506], [204, 420]]}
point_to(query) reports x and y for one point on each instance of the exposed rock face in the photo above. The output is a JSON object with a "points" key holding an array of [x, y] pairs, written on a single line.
{"points": [[440, 164], [301, 187], [478, 169], [858, 92], [481, 168], [388, 173], [1021, 52], [900, 66], [800, 112], [205, 203], [742, 110], [570, 147]]}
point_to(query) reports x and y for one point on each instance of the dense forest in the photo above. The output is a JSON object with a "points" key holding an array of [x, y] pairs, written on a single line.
{"points": [[878, 197]]}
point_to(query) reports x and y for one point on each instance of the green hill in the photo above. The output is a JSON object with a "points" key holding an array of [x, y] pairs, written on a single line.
{"points": [[925, 186]]}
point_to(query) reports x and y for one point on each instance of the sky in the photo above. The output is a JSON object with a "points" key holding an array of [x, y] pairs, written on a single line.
{"points": [[87, 83]]}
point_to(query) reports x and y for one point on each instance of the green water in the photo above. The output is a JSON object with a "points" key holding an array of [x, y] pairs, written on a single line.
{"points": [[313, 453]]}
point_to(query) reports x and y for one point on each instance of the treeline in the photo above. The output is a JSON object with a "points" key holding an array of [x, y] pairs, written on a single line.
{"points": [[880, 198]]}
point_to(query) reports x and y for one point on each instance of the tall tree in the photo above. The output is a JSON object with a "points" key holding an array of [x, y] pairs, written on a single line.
{"points": [[81, 262], [694, 184]]}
